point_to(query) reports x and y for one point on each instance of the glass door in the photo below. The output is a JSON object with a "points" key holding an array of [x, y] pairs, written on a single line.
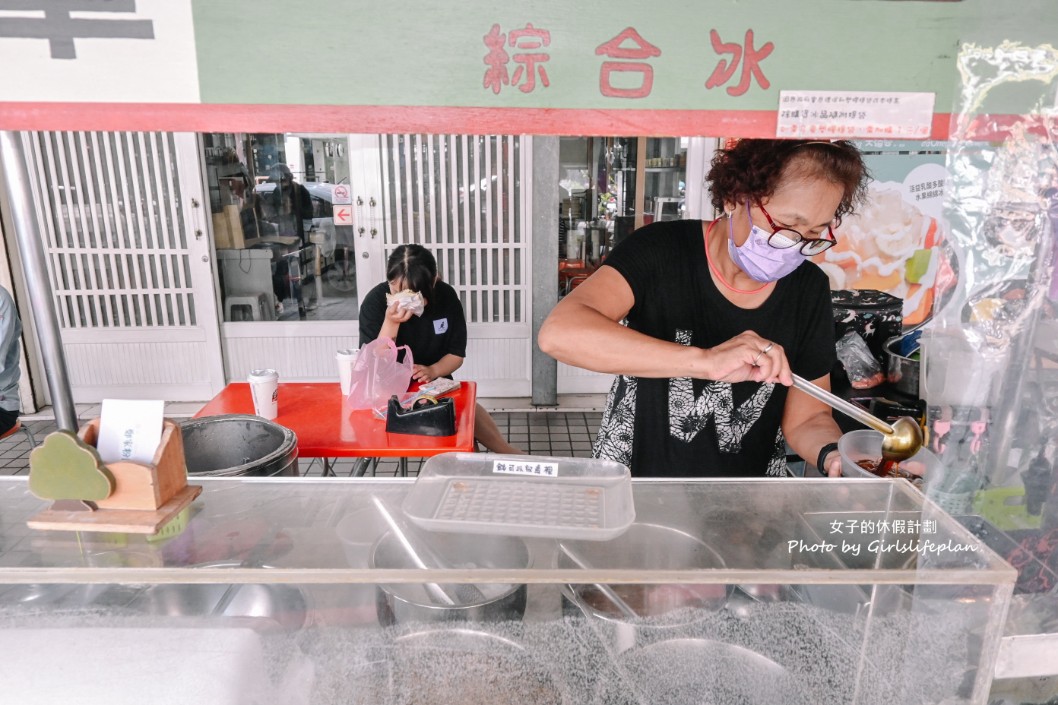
{"points": [[286, 235], [281, 207]]}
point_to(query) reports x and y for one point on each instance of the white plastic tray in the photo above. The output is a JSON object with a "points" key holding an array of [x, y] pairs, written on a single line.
{"points": [[522, 495]]}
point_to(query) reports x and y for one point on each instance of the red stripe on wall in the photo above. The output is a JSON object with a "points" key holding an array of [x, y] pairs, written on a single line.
{"points": [[188, 117], [381, 119]]}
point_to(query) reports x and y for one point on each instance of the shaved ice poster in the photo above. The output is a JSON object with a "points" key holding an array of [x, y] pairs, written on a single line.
{"points": [[891, 243]]}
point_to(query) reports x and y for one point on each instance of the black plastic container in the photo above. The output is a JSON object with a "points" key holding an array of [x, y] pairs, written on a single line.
{"points": [[875, 315]]}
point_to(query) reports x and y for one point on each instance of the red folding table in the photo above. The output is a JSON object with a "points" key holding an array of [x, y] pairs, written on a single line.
{"points": [[326, 428]]}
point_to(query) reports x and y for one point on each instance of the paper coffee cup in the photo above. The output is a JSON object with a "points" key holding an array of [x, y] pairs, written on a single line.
{"points": [[264, 388], [346, 359]]}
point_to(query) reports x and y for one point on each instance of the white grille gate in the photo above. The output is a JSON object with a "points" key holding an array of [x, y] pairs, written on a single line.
{"points": [[466, 198], [129, 267]]}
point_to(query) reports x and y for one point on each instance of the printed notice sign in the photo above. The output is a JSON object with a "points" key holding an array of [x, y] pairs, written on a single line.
{"points": [[341, 195], [523, 467], [854, 114], [130, 430]]}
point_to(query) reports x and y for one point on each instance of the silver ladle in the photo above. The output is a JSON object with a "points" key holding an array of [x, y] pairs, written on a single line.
{"points": [[900, 440]]}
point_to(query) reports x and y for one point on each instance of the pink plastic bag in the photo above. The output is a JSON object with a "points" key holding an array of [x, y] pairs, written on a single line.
{"points": [[377, 375]]}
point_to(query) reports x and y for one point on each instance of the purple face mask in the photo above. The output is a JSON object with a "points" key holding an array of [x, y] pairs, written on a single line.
{"points": [[758, 259]]}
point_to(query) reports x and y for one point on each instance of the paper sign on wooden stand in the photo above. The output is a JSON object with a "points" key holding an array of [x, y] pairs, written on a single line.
{"points": [[142, 497]]}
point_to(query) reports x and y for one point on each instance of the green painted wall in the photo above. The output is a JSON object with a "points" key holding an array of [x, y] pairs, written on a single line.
{"points": [[431, 53]]}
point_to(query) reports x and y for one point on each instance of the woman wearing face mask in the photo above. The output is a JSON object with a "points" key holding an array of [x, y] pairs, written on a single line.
{"points": [[719, 314]]}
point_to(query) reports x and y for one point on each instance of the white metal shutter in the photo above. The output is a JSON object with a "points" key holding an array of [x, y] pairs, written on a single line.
{"points": [[122, 264]]}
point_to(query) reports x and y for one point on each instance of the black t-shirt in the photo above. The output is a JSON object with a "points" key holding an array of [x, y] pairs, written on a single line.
{"points": [[698, 428], [440, 330]]}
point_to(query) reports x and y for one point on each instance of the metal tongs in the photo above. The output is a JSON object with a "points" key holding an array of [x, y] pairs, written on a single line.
{"points": [[900, 440]]}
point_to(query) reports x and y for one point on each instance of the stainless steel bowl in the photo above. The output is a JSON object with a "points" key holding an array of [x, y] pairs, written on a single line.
{"points": [[269, 606], [680, 671], [646, 546], [455, 667], [411, 602], [68, 597], [264, 606]]}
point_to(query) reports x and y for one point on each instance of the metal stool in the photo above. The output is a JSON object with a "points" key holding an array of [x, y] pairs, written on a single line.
{"points": [[24, 429], [575, 281]]}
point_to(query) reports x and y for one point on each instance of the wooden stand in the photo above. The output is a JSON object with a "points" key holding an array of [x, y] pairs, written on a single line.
{"points": [[145, 497], [139, 486]]}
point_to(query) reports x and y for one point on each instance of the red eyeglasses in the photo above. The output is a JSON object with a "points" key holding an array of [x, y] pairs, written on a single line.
{"points": [[783, 238]]}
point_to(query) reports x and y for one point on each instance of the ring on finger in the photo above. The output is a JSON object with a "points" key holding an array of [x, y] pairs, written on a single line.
{"points": [[763, 352]]}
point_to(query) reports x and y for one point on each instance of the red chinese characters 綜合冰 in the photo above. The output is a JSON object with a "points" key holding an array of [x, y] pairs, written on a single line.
{"points": [[528, 41], [749, 57], [530, 61], [639, 49], [496, 75]]}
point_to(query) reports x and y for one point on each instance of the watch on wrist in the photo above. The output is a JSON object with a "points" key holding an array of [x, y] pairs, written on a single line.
{"points": [[823, 453]]}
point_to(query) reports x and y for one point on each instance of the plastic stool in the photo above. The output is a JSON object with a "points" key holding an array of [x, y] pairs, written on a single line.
{"points": [[256, 305], [24, 429]]}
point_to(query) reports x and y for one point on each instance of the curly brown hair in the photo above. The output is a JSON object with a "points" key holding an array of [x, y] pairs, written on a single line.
{"points": [[754, 168]]}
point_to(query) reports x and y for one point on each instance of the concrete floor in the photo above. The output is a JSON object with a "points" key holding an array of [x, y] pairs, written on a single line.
{"points": [[567, 431]]}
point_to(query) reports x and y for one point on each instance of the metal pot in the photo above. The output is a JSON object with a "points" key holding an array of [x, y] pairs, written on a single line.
{"points": [[234, 445], [412, 602], [903, 371]]}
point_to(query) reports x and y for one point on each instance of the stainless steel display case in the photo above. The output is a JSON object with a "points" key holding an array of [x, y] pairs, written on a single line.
{"points": [[807, 591]]}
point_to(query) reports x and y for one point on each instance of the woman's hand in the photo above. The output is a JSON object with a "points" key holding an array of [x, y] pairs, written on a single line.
{"points": [[397, 315], [424, 373], [442, 368], [394, 317], [749, 357]]}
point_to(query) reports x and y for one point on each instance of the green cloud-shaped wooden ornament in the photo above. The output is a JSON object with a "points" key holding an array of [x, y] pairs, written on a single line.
{"points": [[65, 467]]}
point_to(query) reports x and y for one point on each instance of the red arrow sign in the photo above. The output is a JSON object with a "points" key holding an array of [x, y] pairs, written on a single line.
{"points": [[343, 215]]}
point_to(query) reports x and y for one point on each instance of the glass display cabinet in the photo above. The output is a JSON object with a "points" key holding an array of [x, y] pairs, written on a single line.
{"points": [[302, 591], [647, 178]]}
